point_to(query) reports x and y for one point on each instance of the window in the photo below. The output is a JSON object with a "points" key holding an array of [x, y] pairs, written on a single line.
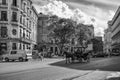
{"points": [[23, 33], [3, 46], [27, 46], [4, 2], [3, 32], [30, 13], [14, 31], [24, 6], [23, 46], [14, 46], [14, 2], [24, 21], [14, 16], [27, 10], [73, 41], [13, 52], [4, 15], [20, 33], [20, 46], [27, 34], [21, 19], [29, 24]]}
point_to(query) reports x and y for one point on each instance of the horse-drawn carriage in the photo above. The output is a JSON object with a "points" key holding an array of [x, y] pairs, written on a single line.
{"points": [[78, 54]]}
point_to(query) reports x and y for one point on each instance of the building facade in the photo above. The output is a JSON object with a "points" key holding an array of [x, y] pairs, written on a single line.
{"points": [[49, 42], [45, 42], [18, 25], [107, 39], [115, 27], [97, 44]]}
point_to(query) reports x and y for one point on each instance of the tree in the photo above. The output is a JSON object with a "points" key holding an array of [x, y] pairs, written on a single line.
{"points": [[81, 33], [97, 45], [63, 30]]}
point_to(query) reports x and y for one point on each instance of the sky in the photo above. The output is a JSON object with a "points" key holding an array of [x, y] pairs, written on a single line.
{"points": [[96, 12]]}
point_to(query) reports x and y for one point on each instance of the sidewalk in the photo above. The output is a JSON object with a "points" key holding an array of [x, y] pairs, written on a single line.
{"points": [[8, 67], [100, 75]]}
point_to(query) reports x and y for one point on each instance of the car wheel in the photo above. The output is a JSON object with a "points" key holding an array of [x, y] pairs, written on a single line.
{"points": [[6, 59], [26, 59], [13, 60], [21, 59]]}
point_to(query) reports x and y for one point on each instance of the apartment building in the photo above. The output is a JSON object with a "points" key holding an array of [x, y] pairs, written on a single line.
{"points": [[107, 39], [115, 27], [18, 25], [43, 38]]}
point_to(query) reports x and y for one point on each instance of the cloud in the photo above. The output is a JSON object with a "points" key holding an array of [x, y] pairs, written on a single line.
{"points": [[83, 14], [57, 8], [101, 16], [107, 2], [62, 10], [104, 4]]}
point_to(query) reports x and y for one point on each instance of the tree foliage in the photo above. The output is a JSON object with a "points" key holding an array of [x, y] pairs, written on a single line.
{"points": [[97, 45], [81, 33], [63, 30]]}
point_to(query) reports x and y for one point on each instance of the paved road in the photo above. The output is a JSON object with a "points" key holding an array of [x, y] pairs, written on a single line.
{"points": [[104, 64], [56, 69]]}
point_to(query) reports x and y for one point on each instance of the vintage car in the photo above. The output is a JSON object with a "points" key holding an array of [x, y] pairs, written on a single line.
{"points": [[100, 54], [15, 55]]}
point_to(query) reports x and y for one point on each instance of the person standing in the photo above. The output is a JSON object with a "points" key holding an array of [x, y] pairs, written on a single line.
{"points": [[40, 56]]}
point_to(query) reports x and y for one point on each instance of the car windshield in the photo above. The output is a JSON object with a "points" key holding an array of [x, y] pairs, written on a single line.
{"points": [[13, 52]]}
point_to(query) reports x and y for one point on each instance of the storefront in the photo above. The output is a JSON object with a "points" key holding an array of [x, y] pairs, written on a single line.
{"points": [[116, 48], [3, 48]]}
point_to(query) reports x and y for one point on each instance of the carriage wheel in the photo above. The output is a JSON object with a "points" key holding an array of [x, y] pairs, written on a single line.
{"points": [[80, 59]]}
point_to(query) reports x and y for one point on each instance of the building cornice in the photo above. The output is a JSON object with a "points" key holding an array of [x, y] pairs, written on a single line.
{"points": [[35, 10], [117, 14]]}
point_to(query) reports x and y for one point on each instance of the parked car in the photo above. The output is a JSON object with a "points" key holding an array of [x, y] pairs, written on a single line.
{"points": [[100, 54], [15, 55], [115, 54]]}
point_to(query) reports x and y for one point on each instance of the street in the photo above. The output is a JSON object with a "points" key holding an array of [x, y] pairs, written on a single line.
{"points": [[56, 69]]}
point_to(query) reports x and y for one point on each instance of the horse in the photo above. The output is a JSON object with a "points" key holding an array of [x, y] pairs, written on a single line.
{"points": [[69, 57], [80, 55], [85, 56], [40, 56]]}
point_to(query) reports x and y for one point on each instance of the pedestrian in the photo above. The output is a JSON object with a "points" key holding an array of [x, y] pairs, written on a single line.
{"points": [[40, 56]]}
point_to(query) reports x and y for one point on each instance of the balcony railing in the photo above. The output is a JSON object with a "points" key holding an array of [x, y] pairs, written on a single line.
{"points": [[117, 30], [4, 19], [14, 7], [4, 36]]}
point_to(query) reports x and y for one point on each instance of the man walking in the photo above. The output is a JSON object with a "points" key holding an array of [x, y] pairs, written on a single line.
{"points": [[40, 56]]}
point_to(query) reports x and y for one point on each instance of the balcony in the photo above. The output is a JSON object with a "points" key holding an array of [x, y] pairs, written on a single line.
{"points": [[14, 7], [115, 33], [14, 22], [5, 21], [3, 5], [4, 37], [115, 42], [25, 40]]}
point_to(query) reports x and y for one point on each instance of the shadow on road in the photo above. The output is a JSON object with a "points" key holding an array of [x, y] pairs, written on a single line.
{"points": [[106, 64], [114, 78]]}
